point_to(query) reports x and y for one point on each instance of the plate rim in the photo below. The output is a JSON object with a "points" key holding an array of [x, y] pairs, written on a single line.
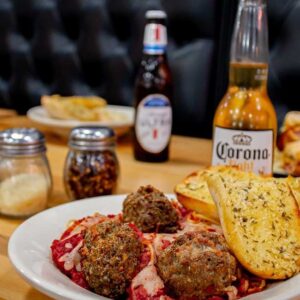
{"points": [[67, 124], [27, 274], [51, 289]]}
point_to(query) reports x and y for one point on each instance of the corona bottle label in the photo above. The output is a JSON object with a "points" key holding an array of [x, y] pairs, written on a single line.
{"points": [[250, 151]]}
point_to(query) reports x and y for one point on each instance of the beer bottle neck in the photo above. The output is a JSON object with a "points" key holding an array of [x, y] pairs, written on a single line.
{"points": [[155, 39], [249, 47], [248, 75]]}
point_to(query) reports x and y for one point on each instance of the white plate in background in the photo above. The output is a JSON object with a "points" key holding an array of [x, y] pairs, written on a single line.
{"points": [[29, 252], [40, 116]]}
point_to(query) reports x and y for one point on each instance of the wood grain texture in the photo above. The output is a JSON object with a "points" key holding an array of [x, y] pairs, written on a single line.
{"points": [[5, 113], [186, 156], [3, 245]]}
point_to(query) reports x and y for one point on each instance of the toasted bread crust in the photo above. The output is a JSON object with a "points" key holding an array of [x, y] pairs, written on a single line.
{"points": [[260, 221], [207, 210], [294, 184], [193, 192]]}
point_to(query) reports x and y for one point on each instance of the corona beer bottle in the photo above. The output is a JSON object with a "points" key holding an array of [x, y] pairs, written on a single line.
{"points": [[245, 124], [153, 117]]}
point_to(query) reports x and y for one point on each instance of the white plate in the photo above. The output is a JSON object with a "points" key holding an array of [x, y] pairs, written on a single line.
{"points": [[29, 252], [62, 127]]}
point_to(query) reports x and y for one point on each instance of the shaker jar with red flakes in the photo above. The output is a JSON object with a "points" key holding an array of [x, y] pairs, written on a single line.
{"points": [[91, 167]]}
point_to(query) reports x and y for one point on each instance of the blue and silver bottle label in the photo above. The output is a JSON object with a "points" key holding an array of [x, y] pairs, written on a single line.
{"points": [[154, 123], [155, 39]]}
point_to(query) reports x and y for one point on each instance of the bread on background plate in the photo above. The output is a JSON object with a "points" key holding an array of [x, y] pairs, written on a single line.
{"points": [[260, 221], [83, 108], [288, 144], [291, 158]]}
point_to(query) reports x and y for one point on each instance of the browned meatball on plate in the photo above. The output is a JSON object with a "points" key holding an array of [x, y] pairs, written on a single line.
{"points": [[110, 257], [150, 210], [197, 265]]}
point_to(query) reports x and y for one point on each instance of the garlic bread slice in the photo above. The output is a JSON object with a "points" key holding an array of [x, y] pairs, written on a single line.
{"points": [[193, 192], [261, 224]]}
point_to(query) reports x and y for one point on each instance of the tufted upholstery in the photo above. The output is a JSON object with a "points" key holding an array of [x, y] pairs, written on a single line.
{"points": [[284, 78], [94, 47]]}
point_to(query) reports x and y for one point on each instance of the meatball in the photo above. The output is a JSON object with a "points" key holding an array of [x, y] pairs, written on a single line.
{"points": [[197, 265], [110, 257], [150, 210]]}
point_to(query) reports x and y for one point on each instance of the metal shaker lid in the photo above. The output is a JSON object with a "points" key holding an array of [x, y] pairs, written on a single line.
{"points": [[92, 138], [22, 141]]}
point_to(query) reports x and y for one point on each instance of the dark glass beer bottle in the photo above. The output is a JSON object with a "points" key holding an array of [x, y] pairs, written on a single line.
{"points": [[245, 124], [153, 104]]}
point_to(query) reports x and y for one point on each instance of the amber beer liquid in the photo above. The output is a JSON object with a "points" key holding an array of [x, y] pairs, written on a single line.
{"points": [[153, 108], [245, 124]]}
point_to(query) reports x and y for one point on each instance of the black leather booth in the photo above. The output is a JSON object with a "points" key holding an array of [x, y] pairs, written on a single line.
{"points": [[94, 47]]}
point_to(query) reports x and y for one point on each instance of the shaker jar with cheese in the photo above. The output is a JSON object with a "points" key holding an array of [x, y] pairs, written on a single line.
{"points": [[25, 178]]}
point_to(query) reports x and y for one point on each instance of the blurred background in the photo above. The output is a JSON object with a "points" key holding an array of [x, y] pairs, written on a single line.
{"points": [[93, 47]]}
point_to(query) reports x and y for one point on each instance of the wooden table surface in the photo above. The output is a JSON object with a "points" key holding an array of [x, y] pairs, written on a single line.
{"points": [[186, 156]]}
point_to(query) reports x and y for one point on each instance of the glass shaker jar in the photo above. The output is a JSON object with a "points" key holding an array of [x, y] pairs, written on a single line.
{"points": [[25, 178], [91, 166]]}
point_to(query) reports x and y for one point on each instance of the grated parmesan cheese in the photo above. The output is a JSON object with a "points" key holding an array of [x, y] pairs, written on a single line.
{"points": [[72, 258], [149, 279], [23, 194]]}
